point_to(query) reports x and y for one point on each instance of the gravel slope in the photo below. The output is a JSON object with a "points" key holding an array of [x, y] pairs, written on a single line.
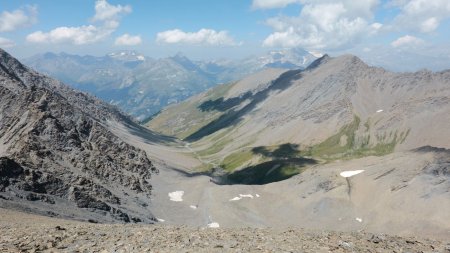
{"points": [[22, 232]]}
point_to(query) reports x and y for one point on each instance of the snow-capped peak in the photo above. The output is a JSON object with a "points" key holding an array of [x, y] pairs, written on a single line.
{"points": [[127, 56]]}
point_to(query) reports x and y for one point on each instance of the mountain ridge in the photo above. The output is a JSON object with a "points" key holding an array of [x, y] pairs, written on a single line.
{"points": [[142, 86], [337, 108], [58, 157]]}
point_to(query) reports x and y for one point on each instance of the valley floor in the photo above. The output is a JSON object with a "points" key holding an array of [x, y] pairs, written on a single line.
{"points": [[21, 232], [405, 194]]}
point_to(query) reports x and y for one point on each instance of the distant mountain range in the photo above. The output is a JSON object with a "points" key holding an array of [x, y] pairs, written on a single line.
{"points": [[141, 86]]}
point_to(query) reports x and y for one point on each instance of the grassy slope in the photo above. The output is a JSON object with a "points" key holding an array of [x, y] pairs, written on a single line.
{"points": [[288, 161], [189, 118]]}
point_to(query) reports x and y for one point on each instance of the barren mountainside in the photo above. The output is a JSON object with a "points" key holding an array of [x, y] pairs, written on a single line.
{"points": [[336, 108], [58, 158]]}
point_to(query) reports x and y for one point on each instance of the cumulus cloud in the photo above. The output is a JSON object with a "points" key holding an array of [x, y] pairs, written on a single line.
{"points": [[5, 43], [270, 4], [105, 11], [128, 40], [324, 25], [203, 36], [407, 41], [106, 16], [10, 21], [74, 35], [421, 15]]}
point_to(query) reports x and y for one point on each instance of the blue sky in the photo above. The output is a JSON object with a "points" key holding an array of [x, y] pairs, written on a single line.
{"points": [[380, 32]]}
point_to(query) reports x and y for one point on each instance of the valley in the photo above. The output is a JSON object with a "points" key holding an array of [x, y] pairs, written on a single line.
{"points": [[339, 146], [225, 126]]}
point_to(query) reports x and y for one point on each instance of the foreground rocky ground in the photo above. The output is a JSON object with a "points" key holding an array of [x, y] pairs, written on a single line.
{"points": [[20, 232]]}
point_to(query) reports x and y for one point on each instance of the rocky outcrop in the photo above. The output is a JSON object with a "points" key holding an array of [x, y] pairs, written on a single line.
{"points": [[55, 150]]}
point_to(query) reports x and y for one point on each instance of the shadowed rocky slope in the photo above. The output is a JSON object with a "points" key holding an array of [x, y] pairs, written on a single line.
{"points": [[58, 158]]}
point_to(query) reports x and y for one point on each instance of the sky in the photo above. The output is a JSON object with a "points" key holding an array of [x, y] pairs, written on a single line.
{"points": [[395, 34]]}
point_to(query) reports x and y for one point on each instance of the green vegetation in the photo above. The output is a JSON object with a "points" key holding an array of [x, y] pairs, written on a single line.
{"points": [[274, 163], [148, 119], [271, 171], [334, 147], [236, 160], [186, 118]]}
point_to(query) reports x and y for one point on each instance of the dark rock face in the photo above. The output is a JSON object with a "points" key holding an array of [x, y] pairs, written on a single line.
{"points": [[55, 148]]}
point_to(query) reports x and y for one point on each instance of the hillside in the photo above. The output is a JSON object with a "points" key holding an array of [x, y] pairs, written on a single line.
{"points": [[58, 157], [337, 108]]}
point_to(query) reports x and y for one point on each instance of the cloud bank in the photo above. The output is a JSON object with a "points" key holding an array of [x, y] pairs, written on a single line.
{"points": [[5, 43], [203, 36], [407, 41], [128, 40], [323, 24], [107, 15], [20, 18]]}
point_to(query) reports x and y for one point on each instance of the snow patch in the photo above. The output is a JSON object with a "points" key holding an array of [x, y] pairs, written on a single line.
{"points": [[380, 110], [160, 220], [193, 207], [257, 195], [141, 58], [241, 196], [213, 225], [316, 54], [358, 219], [350, 173], [176, 196]]}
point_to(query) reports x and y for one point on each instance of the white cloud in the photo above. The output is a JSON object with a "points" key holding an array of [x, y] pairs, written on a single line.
{"points": [[407, 41], [5, 43], [10, 21], [270, 4], [324, 24], [203, 36], [108, 17], [421, 15], [105, 11], [128, 40], [74, 35]]}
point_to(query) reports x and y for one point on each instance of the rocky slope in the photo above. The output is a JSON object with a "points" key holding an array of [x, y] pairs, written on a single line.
{"points": [[142, 86], [57, 156], [27, 233], [337, 108]]}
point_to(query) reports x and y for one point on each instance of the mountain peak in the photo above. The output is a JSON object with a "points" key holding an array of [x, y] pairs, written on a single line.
{"points": [[288, 58], [322, 60], [351, 60], [346, 60], [179, 55], [127, 55], [10, 66]]}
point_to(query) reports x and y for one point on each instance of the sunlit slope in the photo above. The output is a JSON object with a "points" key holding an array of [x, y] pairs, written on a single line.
{"points": [[338, 108]]}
